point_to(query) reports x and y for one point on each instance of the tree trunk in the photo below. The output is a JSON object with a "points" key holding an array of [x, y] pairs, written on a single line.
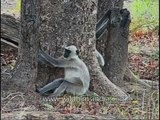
{"points": [[116, 51], [26, 68], [72, 22]]}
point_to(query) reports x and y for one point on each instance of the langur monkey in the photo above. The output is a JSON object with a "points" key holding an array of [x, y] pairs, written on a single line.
{"points": [[100, 58], [101, 27], [76, 80]]}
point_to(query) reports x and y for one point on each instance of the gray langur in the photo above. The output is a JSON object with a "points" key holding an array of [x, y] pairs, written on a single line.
{"points": [[101, 27], [76, 80]]}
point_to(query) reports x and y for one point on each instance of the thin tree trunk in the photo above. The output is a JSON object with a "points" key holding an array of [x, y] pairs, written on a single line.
{"points": [[116, 51], [26, 68]]}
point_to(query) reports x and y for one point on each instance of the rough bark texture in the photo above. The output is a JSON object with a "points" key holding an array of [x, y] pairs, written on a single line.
{"points": [[44, 115], [116, 51], [25, 72], [73, 22]]}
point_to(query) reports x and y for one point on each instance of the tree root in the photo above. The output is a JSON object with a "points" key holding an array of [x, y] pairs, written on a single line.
{"points": [[103, 86], [149, 84]]}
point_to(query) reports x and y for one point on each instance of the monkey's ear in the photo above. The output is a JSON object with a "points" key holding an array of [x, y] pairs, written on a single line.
{"points": [[77, 52]]}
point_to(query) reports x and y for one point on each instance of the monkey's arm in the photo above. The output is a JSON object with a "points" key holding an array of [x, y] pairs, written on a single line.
{"points": [[103, 19], [61, 89], [44, 61], [75, 80], [101, 30], [53, 61], [100, 58], [102, 24]]}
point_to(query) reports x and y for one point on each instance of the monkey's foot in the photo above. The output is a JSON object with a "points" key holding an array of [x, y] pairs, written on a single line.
{"points": [[37, 89]]}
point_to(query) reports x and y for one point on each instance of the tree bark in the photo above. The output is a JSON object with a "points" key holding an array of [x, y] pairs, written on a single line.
{"points": [[26, 68], [116, 51]]}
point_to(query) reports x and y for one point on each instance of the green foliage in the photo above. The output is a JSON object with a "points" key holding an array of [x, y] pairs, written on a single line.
{"points": [[17, 8], [145, 14]]}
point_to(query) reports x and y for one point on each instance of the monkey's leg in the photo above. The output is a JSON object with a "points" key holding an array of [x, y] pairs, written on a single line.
{"points": [[76, 81], [61, 89], [51, 86]]}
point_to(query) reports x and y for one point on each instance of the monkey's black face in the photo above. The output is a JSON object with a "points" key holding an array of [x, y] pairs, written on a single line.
{"points": [[67, 53]]}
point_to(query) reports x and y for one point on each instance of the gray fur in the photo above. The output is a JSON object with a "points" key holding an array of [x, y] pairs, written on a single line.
{"points": [[77, 78], [100, 59]]}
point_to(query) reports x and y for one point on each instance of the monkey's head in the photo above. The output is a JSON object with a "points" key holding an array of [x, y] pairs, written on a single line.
{"points": [[70, 51]]}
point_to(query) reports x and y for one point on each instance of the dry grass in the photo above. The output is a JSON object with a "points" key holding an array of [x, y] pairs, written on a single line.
{"points": [[144, 104]]}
